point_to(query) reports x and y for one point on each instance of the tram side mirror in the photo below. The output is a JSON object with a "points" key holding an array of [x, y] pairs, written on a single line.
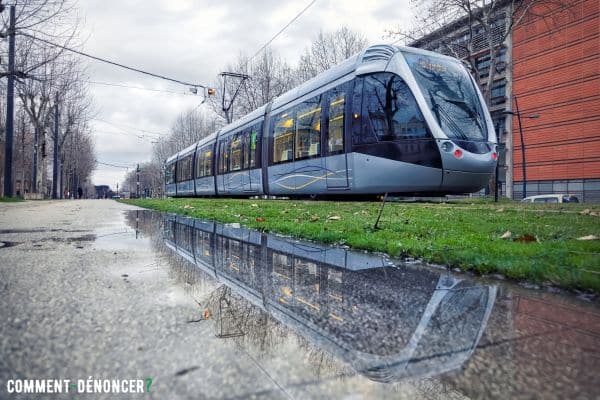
{"points": [[468, 66]]}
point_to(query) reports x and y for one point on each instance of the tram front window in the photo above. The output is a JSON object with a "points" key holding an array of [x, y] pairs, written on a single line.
{"points": [[451, 96]]}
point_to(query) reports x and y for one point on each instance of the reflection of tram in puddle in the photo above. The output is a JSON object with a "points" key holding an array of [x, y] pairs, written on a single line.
{"points": [[386, 322]]}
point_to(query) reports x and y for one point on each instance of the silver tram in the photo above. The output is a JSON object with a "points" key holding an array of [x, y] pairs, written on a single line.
{"points": [[388, 120]]}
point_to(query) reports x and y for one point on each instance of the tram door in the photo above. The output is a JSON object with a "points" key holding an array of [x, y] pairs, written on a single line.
{"points": [[223, 165], [335, 162]]}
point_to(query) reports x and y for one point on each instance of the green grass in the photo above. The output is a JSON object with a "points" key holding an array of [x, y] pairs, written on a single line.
{"points": [[458, 234], [10, 199]]}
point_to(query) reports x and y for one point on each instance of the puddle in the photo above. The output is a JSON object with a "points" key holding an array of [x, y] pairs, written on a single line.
{"points": [[315, 313], [6, 244]]}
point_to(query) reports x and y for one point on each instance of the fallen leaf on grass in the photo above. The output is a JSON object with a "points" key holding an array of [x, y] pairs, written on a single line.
{"points": [[586, 211], [595, 214], [506, 235], [500, 210], [260, 219], [334, 218], [526, 238], [588, 237], [253, 205], [187, 206], [314, 218]]}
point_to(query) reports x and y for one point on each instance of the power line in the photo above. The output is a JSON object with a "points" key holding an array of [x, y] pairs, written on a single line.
{"points": [[145, 138], [139, 88], [104, 60], [282, 29], [122, 126], [114, 165]]}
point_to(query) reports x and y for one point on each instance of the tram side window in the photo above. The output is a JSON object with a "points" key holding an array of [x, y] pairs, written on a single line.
{"points": [[184, 170], [224, 146], [207, 162], [283, 137], [335, 138], [200, 163], [170, 173], [245, 137], [204, 162], [308, 129], [390, 109], [254, 145], [236, 152]]}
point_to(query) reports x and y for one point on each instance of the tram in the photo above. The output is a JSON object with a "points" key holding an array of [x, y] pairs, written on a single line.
{"points": [[390, 119]]}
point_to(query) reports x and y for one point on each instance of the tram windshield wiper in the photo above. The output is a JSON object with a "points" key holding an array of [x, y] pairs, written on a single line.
{"points": [[463, 105]]}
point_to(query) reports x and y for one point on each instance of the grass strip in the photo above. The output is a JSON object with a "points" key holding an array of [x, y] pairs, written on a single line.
{"points": [[535, 242]]}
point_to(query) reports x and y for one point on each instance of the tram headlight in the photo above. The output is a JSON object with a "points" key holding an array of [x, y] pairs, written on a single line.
{"points": [[447, 147]]}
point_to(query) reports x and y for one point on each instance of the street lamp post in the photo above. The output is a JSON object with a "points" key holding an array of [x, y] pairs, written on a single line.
{"points": [[523, 162]]}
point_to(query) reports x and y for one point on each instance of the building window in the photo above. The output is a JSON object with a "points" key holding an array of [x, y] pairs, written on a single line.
{"points": [[498, 94], [308, 129]]}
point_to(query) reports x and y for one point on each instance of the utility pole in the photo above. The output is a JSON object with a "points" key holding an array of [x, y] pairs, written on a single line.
{"points": [[55, 194], [228, 107], [34, 186], [10, 107]]}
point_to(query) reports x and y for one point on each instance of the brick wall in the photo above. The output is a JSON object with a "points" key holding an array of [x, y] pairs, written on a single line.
{"points": [[556, 74]]}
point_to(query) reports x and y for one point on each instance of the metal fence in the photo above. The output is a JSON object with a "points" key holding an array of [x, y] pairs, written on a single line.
{"points": [[587, 190]]}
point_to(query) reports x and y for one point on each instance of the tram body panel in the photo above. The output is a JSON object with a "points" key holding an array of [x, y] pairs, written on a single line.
{"points": [[205, 186], [171, 189], [185, 188], [381, 175]]}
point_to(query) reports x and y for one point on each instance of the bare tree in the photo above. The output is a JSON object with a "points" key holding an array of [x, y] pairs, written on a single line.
{"points": [[486, 26], [41, 68], [328, 50]]}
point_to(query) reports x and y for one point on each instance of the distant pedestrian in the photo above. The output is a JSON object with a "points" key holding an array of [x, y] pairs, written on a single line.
{"points": [[80, 192]]}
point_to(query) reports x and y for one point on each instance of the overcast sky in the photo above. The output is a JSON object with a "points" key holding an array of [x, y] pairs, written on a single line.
{"points": [[191, 40]]}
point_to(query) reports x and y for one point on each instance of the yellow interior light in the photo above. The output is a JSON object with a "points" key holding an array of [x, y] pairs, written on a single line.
{"points": [[336, 102]]}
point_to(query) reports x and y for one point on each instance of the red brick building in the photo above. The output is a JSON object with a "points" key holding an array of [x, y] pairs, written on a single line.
{"points": [[556, 75], [551, 65]]}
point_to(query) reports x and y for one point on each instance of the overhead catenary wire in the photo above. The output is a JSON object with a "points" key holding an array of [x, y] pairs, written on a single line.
{"points": [[139, 88], [104, 60], [281, 30], [123, 126], [145, 138], [114, 165]]}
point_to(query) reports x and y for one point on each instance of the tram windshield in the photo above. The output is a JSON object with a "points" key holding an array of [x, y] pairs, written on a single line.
{"points": [[451, 96]]}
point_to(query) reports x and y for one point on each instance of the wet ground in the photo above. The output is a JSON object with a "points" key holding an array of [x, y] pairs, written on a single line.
{"points": [[98, 288]]}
